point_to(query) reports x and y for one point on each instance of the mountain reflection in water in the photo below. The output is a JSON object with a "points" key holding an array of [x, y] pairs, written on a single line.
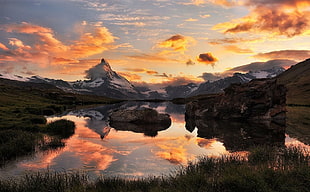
{"points": [[125, 150]]}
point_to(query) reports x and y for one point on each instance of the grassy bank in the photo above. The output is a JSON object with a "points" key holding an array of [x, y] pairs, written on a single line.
{"points": [[265, 169], [22, 123]]}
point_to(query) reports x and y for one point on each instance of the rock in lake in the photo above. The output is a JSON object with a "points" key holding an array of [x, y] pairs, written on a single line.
{"points": [[260, 99], [140, 116]]}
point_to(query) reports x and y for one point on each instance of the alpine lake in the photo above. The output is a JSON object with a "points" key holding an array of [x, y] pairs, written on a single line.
{"points": [[137, 151]]}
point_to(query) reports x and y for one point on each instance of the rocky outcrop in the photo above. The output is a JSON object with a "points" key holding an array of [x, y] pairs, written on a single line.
{"points": [[145, 120], [140, 116], [260, 99]]}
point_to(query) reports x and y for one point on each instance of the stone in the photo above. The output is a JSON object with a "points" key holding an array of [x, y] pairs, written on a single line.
{"points": [[140, 116]]}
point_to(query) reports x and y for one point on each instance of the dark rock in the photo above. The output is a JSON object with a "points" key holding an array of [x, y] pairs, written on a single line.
{"points": [[260, 99], [150, 130], [140, 116]]}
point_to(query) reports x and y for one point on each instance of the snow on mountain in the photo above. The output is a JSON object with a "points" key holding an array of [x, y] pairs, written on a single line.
{"points": [[219, 85], [104, 81], [14, 77]]}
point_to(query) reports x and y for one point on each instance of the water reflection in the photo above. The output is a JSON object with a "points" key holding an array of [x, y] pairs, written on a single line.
{"points": [[123, 150], [239, 136]]}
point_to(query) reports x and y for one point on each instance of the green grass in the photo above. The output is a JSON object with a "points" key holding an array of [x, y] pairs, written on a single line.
{"points": [[282, 170]]}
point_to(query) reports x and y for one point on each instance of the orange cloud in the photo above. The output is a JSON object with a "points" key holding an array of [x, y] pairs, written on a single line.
{"points": [[2, 46], [287, 18], [150, 57], [191, 20], [207, 58], [297, 55], [142, 70], [47, 51], [178, 43], [237, 49], [130, 76]]}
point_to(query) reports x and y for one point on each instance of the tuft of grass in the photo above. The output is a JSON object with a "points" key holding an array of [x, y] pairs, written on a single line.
{"points": [[14, 143], [63, 128]]}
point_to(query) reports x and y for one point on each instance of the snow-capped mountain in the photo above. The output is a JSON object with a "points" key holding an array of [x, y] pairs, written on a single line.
{"points": [[106, 82], [103, 81], [219, 85]]}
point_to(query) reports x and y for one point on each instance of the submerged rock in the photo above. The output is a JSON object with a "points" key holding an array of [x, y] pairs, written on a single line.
{"points": [[260, 99], [140, 116]]}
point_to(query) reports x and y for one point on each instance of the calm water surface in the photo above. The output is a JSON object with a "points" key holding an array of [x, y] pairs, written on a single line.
{"points": [[97, 148]]}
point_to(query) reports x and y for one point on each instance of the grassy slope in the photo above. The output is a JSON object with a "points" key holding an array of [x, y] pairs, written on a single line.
{"points": [[297, 80]]}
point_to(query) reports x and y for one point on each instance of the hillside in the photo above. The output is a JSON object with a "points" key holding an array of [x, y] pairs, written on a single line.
{"points": [[297, 81]]}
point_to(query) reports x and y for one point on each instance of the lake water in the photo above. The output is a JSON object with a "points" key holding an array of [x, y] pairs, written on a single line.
{"points": [[127, 151]]}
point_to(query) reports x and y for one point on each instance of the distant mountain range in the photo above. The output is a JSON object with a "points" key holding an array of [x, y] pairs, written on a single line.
{"points": [[106, 82]]}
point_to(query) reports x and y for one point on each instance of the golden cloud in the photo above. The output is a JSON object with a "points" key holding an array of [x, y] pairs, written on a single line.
{"points": [[47, 50], [3, 47], [207, 58], [297, 55], [150, 57], [178, 43], [237, 49], [287, 18]]}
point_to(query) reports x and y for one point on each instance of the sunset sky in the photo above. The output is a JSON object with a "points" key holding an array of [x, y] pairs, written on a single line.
{"points": [[153, 41]]}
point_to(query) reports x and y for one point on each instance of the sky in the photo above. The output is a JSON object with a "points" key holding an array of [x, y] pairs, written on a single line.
{"points": [[151, 41]]}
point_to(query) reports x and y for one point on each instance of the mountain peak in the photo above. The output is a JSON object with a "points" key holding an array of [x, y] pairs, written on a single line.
{"points": [[100, 71]]}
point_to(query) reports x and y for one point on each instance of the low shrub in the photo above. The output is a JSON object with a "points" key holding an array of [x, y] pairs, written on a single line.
{"points": [[63, 128]]}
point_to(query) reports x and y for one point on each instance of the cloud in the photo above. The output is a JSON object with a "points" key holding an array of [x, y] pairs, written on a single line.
{"points": [[178, 43], [231, 40], [190, 62], [132, 77], [191, 20], [256, 66], [237, 49], [205, 16], [276, 17], [225, 3], [297, 55], [207, 58], [142, 70], [211, 76], [150, 57], [46, 51], [3, 47]]}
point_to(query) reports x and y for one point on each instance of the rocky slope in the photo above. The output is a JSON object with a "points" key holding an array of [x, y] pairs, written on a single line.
{"points": [[260, 99]]}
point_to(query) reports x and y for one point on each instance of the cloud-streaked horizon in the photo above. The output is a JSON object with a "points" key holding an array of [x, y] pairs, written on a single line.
{"points": [[173, 38]]}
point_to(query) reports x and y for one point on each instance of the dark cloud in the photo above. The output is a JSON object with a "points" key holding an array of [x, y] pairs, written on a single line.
{"points": [[256, 66], [231, 40], [190, 62], [207, 58], [211, 76], [175, 38], [285, 54]]}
